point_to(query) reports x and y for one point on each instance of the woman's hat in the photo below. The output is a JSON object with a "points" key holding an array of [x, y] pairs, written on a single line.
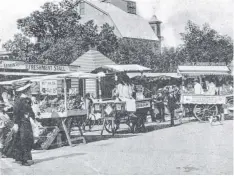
{"points": [[23, 88]]}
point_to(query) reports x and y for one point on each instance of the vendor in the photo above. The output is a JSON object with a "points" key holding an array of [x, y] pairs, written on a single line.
{"points": [[125, 91], [7, 98], [197, 87], [211, 87]]}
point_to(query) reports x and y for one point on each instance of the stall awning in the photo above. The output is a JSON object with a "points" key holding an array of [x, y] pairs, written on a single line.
{"points": [[20, 74], [203, 70], [126, 68], [155, 75]]}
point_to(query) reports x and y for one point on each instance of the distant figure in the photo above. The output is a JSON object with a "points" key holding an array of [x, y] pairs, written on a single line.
{"points": [[198, 88], [171, 103], [159, 100]]}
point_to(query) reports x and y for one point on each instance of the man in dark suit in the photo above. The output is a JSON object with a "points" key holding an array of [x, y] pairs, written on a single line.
{"points": [[171, 103]]}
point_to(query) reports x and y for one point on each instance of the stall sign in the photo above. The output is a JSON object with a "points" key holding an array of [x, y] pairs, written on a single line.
{"points": [[12, 64], [73, 91], [203, 99], [48, 87], [143, 104], [139, 88], [50, 68]]}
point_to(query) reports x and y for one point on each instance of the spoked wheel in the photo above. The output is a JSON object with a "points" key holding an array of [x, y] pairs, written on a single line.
{"points": [[109, 128], [203, 112], [90, 122], [131, 126], [140, 125]]}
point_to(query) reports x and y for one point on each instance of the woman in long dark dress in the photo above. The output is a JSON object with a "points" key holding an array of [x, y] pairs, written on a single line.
{"points": [[23, 142]]}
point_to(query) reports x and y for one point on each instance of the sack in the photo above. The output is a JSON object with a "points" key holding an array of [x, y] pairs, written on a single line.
{"points": [[35, 128]]}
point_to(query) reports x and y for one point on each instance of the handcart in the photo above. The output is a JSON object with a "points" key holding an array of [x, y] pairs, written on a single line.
{"points": [[203, 106]]}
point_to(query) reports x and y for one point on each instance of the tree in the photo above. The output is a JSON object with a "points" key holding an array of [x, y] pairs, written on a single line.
{"points": [[206, 45], [21, 47]]}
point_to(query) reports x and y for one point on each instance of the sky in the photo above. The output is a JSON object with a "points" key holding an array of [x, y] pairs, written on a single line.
{"points": [[173, 13]]}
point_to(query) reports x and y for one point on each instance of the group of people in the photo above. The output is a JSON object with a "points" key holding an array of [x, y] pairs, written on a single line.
{"points": [[16, 133], [207, 87], [167, 97]]}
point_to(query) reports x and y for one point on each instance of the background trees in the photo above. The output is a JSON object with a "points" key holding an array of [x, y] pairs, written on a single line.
{"points": [[54, 35]]}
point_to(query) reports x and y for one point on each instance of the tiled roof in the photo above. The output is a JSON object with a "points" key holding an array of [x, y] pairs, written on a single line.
{"points": [[129, 25], [91, 60]]}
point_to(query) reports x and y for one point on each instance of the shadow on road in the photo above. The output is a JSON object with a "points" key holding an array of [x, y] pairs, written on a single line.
{"points": [[36, 161]]}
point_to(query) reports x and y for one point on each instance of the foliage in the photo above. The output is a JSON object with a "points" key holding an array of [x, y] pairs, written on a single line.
{"points": [[61, 39], [206, 45]]}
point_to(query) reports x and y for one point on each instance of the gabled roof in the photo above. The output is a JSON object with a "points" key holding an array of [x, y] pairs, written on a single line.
{"points": [[91, 60], [129, 25]]}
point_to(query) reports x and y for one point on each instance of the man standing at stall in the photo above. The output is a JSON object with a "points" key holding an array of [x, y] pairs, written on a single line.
{"points": [[24, 135], [171, 103], [197, 87], [159, 100]]}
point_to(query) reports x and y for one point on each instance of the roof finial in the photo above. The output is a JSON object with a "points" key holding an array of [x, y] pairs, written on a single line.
{"points": [[154, 10]]}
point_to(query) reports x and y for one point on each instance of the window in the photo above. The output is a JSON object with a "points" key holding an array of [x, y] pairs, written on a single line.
{"points": [[82, 8], [131, 7]]}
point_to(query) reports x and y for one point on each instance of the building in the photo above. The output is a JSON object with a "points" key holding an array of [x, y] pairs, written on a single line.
{"points": [[121, 14]]}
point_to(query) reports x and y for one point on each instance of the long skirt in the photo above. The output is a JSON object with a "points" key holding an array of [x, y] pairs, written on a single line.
{"points": [[23, 141]]}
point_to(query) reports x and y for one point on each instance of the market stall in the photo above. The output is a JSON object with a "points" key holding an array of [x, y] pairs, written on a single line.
{"points": [[204, 89], [59, 104], [116, 109]]}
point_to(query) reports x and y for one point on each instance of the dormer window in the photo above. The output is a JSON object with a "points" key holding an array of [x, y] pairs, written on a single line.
{"points": [[131, 6]]}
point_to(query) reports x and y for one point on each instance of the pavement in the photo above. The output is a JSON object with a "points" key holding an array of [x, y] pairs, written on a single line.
{"points": [[190, 148]]}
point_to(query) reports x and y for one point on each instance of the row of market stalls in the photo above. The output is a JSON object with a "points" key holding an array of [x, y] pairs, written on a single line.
{"points": [[63, 93]]}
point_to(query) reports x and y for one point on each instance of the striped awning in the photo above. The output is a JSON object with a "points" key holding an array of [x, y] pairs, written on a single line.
{"points": [[203, 70]]}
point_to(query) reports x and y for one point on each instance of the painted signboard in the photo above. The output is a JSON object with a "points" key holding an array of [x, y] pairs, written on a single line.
{"points": [[203, 99], [5, 64], [48, 87], [21, 65], [50, 68]]}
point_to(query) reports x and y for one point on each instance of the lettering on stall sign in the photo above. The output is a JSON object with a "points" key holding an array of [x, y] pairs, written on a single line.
{"points": [[49, 87], [47, 68], [12, 64]]}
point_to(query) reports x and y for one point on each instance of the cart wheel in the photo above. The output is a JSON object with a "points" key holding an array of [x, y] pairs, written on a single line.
{"points": [[140, 125], [131, 125], [203, 112], [108, 127]]}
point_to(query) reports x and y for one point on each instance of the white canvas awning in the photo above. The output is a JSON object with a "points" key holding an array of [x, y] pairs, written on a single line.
{"points": [[20, 74], [203, 70], [154, 75], [126, 68]]}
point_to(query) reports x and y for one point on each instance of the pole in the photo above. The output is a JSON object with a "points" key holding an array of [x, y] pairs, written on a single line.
{"points": [[99, 87], [65, 94]]}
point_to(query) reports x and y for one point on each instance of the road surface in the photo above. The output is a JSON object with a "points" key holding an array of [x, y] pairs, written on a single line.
{"points": [[191, 148]]}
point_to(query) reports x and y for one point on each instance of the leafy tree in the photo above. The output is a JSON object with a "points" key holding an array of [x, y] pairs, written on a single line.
{"points": [[206, 45], [21, 47]]}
